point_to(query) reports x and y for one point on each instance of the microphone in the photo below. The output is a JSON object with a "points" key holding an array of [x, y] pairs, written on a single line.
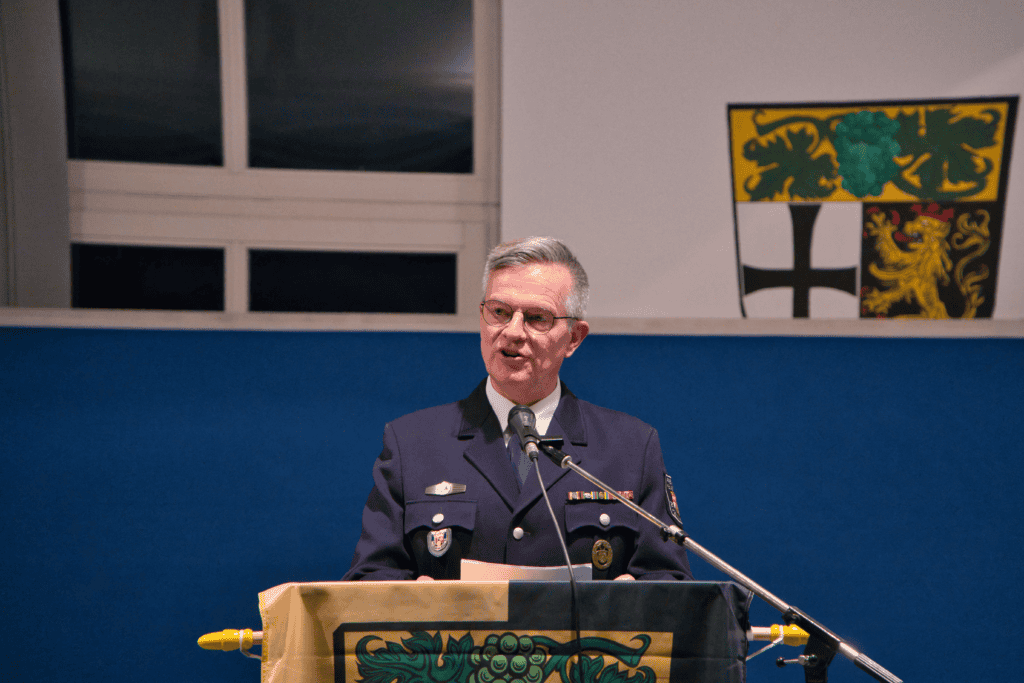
{"points": [[524, 422]]}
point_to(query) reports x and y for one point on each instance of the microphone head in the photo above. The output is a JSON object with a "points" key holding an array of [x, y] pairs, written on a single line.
{"points": [[522, 416]]}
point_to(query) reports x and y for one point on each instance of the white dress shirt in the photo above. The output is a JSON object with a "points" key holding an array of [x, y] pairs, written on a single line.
{"points": [[544, 409]]}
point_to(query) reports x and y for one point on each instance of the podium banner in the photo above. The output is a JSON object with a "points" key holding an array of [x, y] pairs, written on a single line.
{"points": [[480, 632]]}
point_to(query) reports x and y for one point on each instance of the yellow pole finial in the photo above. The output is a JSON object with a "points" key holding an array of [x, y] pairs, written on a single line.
{"points": [[791, 635], [231, 639]]}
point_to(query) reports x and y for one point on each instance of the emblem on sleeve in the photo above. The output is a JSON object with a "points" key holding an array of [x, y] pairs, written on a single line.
{"points": [[601, 554], [438, 541], [445, 488], [672, 503]]}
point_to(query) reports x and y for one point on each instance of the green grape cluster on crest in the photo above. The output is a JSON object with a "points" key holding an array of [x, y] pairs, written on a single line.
{"points": [[865, 149]]}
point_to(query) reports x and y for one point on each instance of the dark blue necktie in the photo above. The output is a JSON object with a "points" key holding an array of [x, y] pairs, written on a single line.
{"points": [[520, 461]]}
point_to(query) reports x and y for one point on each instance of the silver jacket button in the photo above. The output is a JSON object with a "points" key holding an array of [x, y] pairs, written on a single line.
{"points": [[517, 533], [605, 519], [438, 518]]}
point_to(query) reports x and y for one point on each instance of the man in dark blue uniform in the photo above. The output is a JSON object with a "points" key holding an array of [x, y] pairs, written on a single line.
{"points": [[450, 483]]}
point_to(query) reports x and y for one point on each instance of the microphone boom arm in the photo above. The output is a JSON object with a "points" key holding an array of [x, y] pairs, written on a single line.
{"points": [[821, 638]]}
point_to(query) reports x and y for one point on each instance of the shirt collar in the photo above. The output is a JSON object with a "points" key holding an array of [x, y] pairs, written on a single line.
{"points": [[544, 409]]}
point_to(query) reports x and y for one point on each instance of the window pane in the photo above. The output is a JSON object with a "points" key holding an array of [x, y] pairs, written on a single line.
{"points": [[143, 80], [351, 282], [374, 85], [163, 278]]}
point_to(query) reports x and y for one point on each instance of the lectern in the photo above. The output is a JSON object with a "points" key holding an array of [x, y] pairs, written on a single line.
{"points": [[484, 632]]}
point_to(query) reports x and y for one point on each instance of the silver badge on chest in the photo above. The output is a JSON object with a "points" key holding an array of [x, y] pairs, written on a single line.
{"points": [[438, 541], [445, 488]]}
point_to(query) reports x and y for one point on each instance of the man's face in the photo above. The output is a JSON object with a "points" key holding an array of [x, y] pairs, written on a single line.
{"points": [[524, 364]]}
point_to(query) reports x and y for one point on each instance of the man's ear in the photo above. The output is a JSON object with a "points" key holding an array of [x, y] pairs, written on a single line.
{"points": [[579, 331]]}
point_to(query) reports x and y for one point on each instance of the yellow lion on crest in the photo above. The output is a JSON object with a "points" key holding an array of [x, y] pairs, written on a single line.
{"points": [[914, 274]]}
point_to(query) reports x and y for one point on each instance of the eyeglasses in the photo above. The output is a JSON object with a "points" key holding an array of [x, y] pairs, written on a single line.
{"points": [[539, 320]]}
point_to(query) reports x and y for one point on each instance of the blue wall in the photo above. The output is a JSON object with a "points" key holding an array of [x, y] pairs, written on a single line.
{"points": [[154, 482]]}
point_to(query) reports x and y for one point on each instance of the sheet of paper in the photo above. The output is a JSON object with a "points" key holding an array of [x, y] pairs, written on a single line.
{"points": [[473, 570]]}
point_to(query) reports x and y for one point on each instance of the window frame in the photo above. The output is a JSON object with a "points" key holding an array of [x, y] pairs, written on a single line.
{"points": [[236, 208]]}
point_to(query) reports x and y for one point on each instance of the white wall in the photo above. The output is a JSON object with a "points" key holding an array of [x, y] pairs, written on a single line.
{"points": [[614, 132]]}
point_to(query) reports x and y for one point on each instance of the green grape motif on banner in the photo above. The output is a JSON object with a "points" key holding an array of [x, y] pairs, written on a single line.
{"points": [[501, 658]]}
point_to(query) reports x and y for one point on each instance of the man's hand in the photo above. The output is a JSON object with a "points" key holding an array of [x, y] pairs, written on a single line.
{"points": [[424, 577]]}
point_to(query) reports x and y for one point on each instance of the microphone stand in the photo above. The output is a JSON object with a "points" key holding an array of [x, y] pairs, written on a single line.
{"points": [[822, 645]]}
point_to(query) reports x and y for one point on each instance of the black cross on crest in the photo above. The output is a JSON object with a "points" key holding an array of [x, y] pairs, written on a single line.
{"points": [[802, 277]]}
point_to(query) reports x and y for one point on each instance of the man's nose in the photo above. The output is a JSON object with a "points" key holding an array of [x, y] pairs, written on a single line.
{"points": [[516, 326]]}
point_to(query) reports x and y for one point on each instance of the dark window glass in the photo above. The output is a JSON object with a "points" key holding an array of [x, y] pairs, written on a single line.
{"points": [[142, 80], [351, 282], [361, 85], [164, 278]]}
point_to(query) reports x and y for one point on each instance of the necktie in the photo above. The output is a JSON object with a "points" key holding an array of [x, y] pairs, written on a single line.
{"points": [[520, 461]]}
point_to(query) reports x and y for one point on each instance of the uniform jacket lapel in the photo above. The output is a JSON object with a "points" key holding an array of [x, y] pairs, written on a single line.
{"points": [[484, 446]]}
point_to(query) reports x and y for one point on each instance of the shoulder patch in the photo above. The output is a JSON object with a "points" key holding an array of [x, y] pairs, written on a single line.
{"points": [[672, 503]]}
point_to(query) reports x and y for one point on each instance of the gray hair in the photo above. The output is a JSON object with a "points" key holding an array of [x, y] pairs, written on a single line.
{"points": [[542, 250]]}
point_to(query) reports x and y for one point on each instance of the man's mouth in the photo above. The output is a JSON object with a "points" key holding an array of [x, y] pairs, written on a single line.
{"points": [[510, 354]]}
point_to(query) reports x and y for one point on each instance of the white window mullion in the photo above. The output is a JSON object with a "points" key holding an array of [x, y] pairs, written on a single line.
{"points": [[234, 98], [487, 96], [236, 278]]}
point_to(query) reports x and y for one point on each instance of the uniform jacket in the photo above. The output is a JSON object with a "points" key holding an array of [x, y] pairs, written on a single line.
{"points": [[498, 520]]}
